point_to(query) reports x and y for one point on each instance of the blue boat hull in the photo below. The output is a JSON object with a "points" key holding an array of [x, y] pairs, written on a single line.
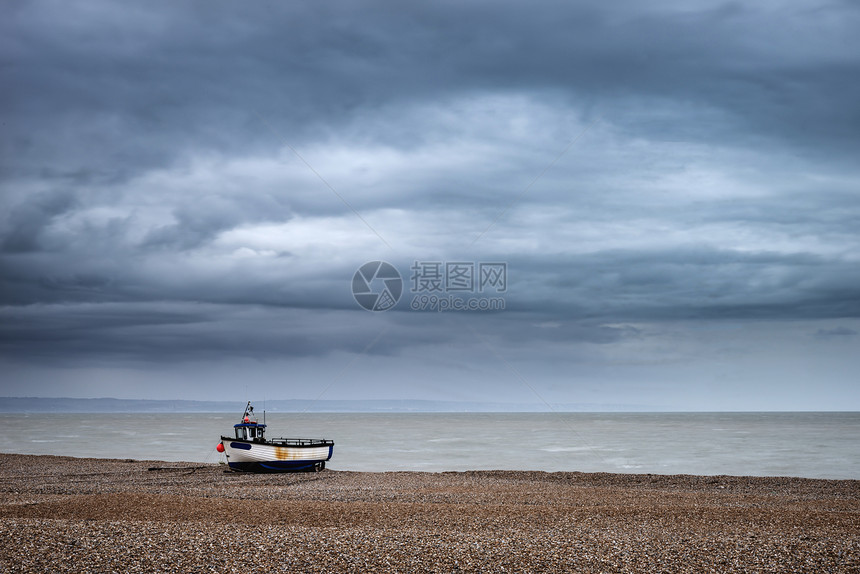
{"points": [[278, 466]]}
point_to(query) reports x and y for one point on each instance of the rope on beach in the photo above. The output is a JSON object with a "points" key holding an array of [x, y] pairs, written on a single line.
{"points": [[192, 468]]}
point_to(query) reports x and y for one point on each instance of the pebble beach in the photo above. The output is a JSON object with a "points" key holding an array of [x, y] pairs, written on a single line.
{"points": [[62, 514]]}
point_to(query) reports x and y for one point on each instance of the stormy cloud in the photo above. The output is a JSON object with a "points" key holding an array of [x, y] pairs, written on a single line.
{"points": [[187, 190]]}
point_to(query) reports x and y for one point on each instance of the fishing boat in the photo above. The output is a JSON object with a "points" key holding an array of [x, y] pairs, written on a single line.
{"points": [[249, 450]]}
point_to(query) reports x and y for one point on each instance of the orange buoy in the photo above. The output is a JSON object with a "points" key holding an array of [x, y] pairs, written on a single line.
{"points": [[220, 447]]}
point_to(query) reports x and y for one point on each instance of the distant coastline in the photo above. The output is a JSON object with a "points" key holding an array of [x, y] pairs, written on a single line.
{"points": [[113, 405]]}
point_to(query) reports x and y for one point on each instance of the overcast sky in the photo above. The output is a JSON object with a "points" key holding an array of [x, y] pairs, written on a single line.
{"points": [[187, 189]]}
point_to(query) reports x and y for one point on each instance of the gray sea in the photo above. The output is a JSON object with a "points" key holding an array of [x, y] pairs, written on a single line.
{"points": [[819, 445]]}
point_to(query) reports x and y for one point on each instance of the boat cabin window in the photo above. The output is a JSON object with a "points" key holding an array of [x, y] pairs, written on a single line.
{"points": [[247, 433]]}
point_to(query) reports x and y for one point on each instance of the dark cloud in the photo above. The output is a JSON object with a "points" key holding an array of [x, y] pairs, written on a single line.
{"points": [[692, 283], [26, 221], [175, 180], [184, 76], [835, 333]]}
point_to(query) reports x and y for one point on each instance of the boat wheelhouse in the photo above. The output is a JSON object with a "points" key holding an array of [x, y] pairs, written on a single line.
{"points": [[249, 450]]}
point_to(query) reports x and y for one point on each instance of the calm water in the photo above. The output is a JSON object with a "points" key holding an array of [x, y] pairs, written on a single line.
{"points": [[824, 445]]}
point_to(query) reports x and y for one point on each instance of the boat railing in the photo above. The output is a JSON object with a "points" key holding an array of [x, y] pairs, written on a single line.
{"points": [[300, 442]]}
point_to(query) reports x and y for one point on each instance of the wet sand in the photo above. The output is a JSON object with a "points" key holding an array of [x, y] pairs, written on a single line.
{"points": [[61, 514]]}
